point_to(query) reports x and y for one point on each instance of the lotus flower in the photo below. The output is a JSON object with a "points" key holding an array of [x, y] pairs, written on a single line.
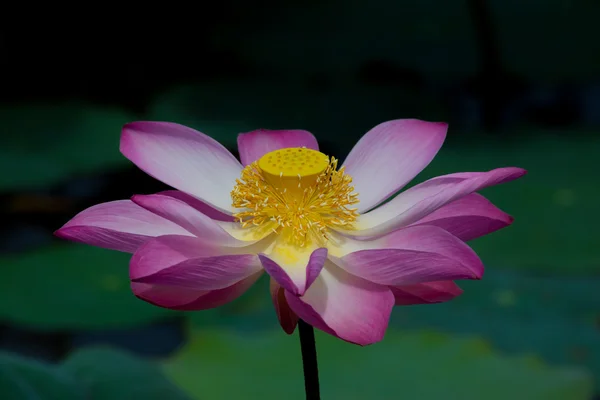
{"points": [[338, 255]]}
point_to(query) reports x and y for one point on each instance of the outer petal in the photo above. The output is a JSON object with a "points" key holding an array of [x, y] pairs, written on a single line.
{"points": [[199, 205], [191, 263], [183, 158], [117, 225], [206, 273], [217, 298], [166, 296], [423, 199], [287, 318], [426, 293], [411, 255], [468, 218], [293, 268], [253, 145], [183, 214], [394, 152], [345, 306], [183, 299]]}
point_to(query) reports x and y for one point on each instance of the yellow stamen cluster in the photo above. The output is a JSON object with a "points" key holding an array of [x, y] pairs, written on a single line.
{"points": [[297, 193]]}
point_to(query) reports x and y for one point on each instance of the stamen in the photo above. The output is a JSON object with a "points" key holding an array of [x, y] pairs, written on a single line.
{"points": [[297, 193]]}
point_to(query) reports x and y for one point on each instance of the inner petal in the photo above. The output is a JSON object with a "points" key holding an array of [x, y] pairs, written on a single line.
{"points": [[294, 268]]}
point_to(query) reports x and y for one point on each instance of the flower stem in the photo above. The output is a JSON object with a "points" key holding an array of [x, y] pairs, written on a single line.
{"points": [[309, 361]]}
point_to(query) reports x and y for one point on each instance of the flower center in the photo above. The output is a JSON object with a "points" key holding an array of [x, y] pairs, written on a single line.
{"points": [[297, 193]]}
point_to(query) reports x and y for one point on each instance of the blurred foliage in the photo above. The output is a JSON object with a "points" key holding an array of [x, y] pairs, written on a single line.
{"points": [[184, 106], [434, 37], [111, 374], [42, 145], [91, 374], [71, 287], [270, 104], [557, 36], [224, 365], [24, 378], [554, 317], [360, 32], [553, 205]]}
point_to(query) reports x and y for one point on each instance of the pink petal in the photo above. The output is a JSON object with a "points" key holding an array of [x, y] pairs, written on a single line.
{"points": [[190, 263], [345, 306], [423, 199], [287, 318], [184, 159], [117, 225], [165, 251], [187, 217], [184, 299], [199, 205], [411, 255], [394, 152], [426, 293], [298, 277], [468, 218], [217, 298], [253, 145], [170, 297], [207, 273]]}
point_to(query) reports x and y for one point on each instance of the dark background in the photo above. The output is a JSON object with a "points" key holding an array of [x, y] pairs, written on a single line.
{"points": [[519, 83]]}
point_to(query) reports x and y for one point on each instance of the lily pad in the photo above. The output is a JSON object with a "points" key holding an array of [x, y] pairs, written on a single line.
{"points": [[89, 374], [44, 144], [71, 287], [553, 317], [26, 379], [110, 375], [420, 365]]}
